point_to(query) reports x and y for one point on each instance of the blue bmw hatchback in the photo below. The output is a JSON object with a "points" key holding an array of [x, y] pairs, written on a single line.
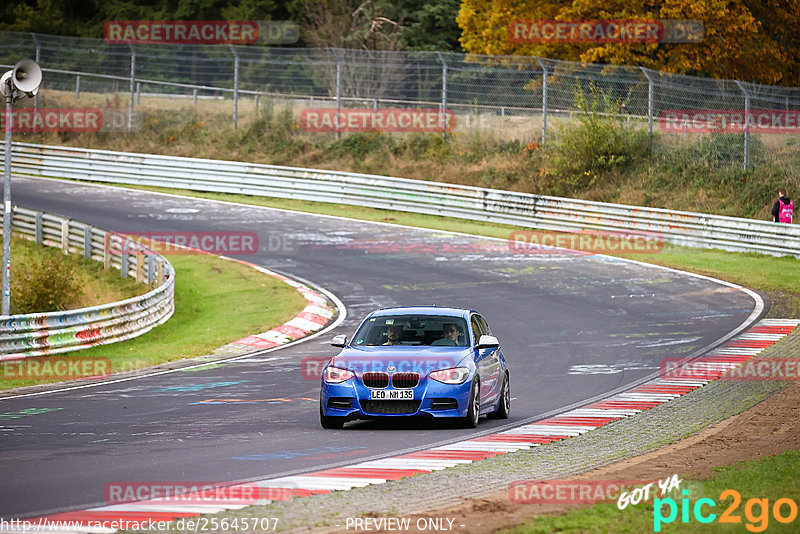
{"points": [[416, 361]]}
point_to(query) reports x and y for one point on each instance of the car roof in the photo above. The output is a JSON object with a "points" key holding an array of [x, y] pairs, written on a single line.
{"points": [[421, 310]]}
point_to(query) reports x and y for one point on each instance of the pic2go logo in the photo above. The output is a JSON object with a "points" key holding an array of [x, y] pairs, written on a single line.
{"points": [[756, 511]]}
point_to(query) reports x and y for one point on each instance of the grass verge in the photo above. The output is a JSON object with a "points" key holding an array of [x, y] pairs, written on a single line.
{"points": [[216, 302], [769, 479]]}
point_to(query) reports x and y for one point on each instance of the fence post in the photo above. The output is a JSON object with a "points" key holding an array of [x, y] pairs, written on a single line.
{"points": [[37, 223], [77, 87], [139, 265], [338, 90], [194, 96], [443, 112], [133, 86], [256, 104], [746, 124], [151, 269], [649, 109], [235, 86], [544, 100], [138, 93], [87, 242], [160, 273], [38, 62]]}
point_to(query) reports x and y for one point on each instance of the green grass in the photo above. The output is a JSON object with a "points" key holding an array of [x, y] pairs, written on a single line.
{"points": [[216, 302], [771, 478]]}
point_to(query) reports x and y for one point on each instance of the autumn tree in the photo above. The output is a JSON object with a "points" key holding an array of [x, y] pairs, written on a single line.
{"points": [[744, 39]]}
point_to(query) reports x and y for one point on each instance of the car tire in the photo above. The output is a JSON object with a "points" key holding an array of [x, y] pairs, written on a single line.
{"points": [[474, 410], [504, 404], [329, 421]]}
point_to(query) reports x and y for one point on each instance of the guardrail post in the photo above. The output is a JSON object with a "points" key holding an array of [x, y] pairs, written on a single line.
{"points": [[65, 236], [235, 86], [87, 242], [77, 87], [443, 109], [37, 227], [544, 100], [151, 269], [338, 90], [649, 109], [133, 83], [106, 251], [139, 265], [124, 267], [746, 123], [39, 62]]}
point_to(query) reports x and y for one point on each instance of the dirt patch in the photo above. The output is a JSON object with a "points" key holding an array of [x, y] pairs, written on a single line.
{"points": [[768, 428]]}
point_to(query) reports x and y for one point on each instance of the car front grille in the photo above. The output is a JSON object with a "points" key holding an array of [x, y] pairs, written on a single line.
{"points": [[375, 380], [390, 406], [405, 380]]}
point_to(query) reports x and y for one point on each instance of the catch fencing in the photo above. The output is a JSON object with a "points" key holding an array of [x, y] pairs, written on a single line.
{"points": [[40, 334], [527, 97], [402, 194]]}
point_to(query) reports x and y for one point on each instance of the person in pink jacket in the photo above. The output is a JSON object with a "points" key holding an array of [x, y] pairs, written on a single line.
{"points": [[783, 208]]}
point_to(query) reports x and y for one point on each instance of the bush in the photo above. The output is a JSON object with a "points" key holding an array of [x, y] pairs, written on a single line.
{"points": [[47, 281], [597, 143]]}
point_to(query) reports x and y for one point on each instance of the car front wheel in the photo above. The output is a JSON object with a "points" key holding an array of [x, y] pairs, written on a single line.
{"points": [[474, 409], [328, 421]]}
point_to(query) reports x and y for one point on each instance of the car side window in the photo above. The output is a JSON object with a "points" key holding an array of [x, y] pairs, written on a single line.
{"points": [[477, 329], [484, 326]]}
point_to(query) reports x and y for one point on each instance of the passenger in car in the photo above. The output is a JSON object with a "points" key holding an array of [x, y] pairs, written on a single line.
{"points": [[393, 335]]}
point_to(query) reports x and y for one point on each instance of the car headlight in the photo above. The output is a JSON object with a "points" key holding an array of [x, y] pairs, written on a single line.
{"points": [[334, 375], [453, 375]]}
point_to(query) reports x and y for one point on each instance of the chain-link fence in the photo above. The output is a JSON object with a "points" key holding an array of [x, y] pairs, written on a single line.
{"points": [[527, 98]]}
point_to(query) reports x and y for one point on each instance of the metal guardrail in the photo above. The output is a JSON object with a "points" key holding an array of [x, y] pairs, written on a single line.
{"points": [[417, 196], [40, 334]]}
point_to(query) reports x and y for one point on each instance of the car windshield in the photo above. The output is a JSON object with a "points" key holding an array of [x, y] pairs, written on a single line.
{"points": [[435, 330]]}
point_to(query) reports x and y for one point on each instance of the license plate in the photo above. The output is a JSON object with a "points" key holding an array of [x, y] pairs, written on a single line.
{"points": [[391, 394]]}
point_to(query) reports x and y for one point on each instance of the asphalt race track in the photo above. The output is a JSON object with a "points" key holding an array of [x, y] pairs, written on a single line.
{"points": [[572, 327]]}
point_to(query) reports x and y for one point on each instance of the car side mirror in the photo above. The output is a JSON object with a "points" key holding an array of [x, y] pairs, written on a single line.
{"points": [[339, 341], [487, 342]]}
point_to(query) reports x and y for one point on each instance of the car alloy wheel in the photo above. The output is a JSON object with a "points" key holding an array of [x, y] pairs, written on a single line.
{"points": [[504, 404], [474, 410]]}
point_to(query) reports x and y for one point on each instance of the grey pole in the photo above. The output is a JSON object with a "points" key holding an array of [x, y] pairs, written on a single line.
{"points": [[544, 100], [133, 86], [235, 86], [38, 62], [6, 298], [746, 124], [338, 88], [649, 108], [444, 89]]}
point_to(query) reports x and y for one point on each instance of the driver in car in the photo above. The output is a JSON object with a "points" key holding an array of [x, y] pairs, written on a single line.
{"points": [[449, 337]]}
